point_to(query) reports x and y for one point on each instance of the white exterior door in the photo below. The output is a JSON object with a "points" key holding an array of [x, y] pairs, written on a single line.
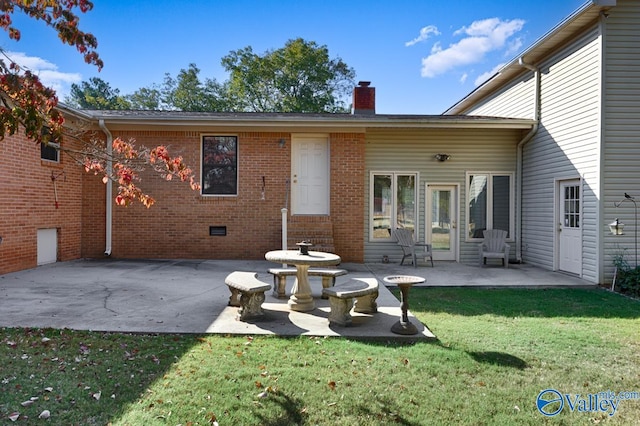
{"points": [[310, 175], [570, 227], [442, 221], [47, 246]]}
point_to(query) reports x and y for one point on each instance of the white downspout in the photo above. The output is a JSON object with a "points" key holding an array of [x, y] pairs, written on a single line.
{"points": [[520, 146], [109, 203]]}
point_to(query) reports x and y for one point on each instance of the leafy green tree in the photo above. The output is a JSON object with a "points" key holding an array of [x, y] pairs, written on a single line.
{"points": [[145, 98], [300, 77], [96, 94], [187, 93]]}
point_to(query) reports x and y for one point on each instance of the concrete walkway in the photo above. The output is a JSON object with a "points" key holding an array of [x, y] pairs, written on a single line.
{"points": [[190, 296]]}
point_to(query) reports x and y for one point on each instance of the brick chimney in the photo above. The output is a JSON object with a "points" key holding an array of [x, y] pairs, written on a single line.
{"points": [[364, 98]]}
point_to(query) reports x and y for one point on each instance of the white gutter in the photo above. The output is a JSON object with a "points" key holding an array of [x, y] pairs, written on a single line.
{"points": [[109, 203], [521, 144]]}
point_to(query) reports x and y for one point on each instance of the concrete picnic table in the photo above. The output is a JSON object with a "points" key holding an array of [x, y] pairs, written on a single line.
{"points": [[301, 299]]}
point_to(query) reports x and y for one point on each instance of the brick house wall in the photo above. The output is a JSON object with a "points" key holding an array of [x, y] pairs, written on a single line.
{"points": [[28, 203], [177, 226]]}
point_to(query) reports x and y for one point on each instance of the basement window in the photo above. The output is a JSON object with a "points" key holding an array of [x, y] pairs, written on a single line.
{"points": [[50, 152], [217, 231]]}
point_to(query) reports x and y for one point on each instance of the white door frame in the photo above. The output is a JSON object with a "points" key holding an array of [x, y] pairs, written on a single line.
{"points": [[559, 225], [302, 202], [454, 252]]}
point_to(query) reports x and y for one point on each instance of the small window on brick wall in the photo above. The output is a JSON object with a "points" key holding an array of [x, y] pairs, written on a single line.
{"points": [[50, 152], [219, 165]]}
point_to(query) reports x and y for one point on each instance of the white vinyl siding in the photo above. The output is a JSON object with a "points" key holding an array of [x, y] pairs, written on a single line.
{"points": [[515, 101], [621, 127], [567, 145], [414, 150]]}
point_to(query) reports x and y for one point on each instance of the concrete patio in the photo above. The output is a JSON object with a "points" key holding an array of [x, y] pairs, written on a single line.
{"points": [[190, 296]]}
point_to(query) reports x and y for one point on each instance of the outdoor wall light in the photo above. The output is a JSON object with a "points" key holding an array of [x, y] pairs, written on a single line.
{"points": [[442, 157], [628, 197], [616, 227], [282, 142]]}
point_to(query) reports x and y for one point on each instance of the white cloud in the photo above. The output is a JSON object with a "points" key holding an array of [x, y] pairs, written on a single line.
{"points": [[487, 75], [481, 38], [464, 77], [425, 33], [513, 47], [46, 71]]}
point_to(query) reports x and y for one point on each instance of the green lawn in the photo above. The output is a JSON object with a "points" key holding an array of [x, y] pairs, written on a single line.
{"points": [[497, 350]]}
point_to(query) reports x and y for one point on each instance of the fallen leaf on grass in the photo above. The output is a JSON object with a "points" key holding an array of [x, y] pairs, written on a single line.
{"points": [[45, 414], [14, 416], [332, 385], [96, 396]]}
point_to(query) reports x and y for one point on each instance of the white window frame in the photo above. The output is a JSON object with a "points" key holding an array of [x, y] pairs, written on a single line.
{"points": [[394, 196], [53, 145], [489, 212]]}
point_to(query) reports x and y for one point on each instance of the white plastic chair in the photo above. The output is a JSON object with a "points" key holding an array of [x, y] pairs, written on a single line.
{"points": [[411, 248], [494, 246]]}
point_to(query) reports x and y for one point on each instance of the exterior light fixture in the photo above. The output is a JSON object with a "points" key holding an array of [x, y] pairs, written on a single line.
{"points": [[442, 157], [616, 227], [282, 142], [628, 197]]}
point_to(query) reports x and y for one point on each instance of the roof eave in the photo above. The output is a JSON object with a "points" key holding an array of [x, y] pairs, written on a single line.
{"points": [[557, 36], [357, 125]]}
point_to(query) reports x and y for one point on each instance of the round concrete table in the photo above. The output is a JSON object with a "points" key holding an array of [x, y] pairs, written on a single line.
{"points": [[301, 299], [404, 282]]}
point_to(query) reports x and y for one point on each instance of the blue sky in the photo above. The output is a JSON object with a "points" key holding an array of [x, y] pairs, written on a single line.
{"points": [[422, 56]]}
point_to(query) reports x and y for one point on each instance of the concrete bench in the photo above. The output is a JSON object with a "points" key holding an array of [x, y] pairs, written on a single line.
{"points": [[247, 292], [364, 290], [280, 278]]}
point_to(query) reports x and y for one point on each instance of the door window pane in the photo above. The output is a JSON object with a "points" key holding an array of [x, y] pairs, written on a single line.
{"points": [[572, 206], [440, 220]]}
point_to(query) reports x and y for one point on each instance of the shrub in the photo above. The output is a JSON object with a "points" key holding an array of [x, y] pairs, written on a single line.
{"points": [[627, 278]]}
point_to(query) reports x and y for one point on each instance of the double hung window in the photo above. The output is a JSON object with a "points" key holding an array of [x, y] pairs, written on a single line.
{"points": [[489, 203], [219, 165], [393, 201]]}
